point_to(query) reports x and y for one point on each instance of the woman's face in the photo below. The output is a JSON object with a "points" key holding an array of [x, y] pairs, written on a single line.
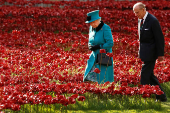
{"points": [[95, 23]]}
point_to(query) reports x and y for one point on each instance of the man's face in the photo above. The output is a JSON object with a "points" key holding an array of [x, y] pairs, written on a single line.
{"points": [[95, 23], [140, 13]]}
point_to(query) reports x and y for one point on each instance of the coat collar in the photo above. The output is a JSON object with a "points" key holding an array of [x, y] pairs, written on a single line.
{"points": [[99, 27]]}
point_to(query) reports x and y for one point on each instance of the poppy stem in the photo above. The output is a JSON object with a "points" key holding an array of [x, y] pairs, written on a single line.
{"points": [[41, 107], [135, 99], [66, 109], [160, 103], [98, 97], [140, 99], [87, 98], [145, 103], [106, 99], [61, 108], [54, 107], [100, 66], [37, 108], [50, 108], [23, 108], [107, 65], [30, 109]]}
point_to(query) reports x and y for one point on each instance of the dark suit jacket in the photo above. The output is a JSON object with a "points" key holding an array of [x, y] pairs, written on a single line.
{"points": [[151, 39]]}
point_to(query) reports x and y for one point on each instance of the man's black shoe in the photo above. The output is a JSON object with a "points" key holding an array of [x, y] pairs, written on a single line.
{"points": [[162, 99]]}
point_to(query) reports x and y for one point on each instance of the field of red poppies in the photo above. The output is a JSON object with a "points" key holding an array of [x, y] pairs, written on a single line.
{"points": [[43, 51]]}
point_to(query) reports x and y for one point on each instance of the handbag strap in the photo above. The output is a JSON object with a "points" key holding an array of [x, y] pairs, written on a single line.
{"points": [[104, 39]]}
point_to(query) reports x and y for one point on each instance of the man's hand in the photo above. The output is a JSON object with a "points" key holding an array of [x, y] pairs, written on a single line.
{"points": [[160, 58]]}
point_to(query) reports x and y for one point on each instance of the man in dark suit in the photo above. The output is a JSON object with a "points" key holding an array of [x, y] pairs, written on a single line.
{"points": [[151, 46]]}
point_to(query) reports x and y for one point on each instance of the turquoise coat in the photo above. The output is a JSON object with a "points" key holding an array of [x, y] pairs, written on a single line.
{"points": [[102, 37]]}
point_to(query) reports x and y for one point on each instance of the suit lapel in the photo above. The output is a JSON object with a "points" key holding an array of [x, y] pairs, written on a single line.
{"points": [[145, 23]]}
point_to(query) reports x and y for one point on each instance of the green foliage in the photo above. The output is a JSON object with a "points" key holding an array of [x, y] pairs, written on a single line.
{"points": [[104, 103], [166, 88]]}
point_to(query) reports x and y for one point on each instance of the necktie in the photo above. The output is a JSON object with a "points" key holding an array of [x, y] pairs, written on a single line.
{"points": [[141, 24]]}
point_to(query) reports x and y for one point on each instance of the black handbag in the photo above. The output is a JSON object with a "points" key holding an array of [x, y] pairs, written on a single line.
{"points": [[103, 59]]}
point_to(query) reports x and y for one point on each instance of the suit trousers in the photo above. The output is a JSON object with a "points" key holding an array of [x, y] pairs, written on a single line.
{"points": [[148, 77]]}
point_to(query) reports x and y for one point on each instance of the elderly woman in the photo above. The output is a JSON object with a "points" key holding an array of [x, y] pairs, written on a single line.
{"points": [[100, 37]]}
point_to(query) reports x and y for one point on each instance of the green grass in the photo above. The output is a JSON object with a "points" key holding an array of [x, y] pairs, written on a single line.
{"points": [[105, 103]]}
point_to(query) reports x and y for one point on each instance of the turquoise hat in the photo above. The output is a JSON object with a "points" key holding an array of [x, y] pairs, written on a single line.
{"points": [[92, 16]]}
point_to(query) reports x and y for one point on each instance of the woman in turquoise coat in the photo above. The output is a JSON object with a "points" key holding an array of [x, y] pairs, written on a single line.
{"points": [[100, 37]]}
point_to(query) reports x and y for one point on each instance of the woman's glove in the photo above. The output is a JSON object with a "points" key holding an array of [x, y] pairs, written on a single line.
{"points": [[93, 48]]}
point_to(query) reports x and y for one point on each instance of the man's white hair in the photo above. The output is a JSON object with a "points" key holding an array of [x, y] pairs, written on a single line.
{"points": [[140, 5]]}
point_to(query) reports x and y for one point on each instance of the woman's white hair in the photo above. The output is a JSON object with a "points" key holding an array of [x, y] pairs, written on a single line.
{"points": [[99, 19]]}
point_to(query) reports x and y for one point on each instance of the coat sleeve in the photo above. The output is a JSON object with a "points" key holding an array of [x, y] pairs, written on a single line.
{"points": [[108, 38], [159, 38]]}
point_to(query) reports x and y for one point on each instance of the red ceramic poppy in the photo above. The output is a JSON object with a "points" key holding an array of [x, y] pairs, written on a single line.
{"points": [[96, 70], [102, 51]]}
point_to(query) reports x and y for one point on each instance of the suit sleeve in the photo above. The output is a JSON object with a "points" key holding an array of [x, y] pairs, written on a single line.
{"points": [[108, 38], [159, 38]]}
